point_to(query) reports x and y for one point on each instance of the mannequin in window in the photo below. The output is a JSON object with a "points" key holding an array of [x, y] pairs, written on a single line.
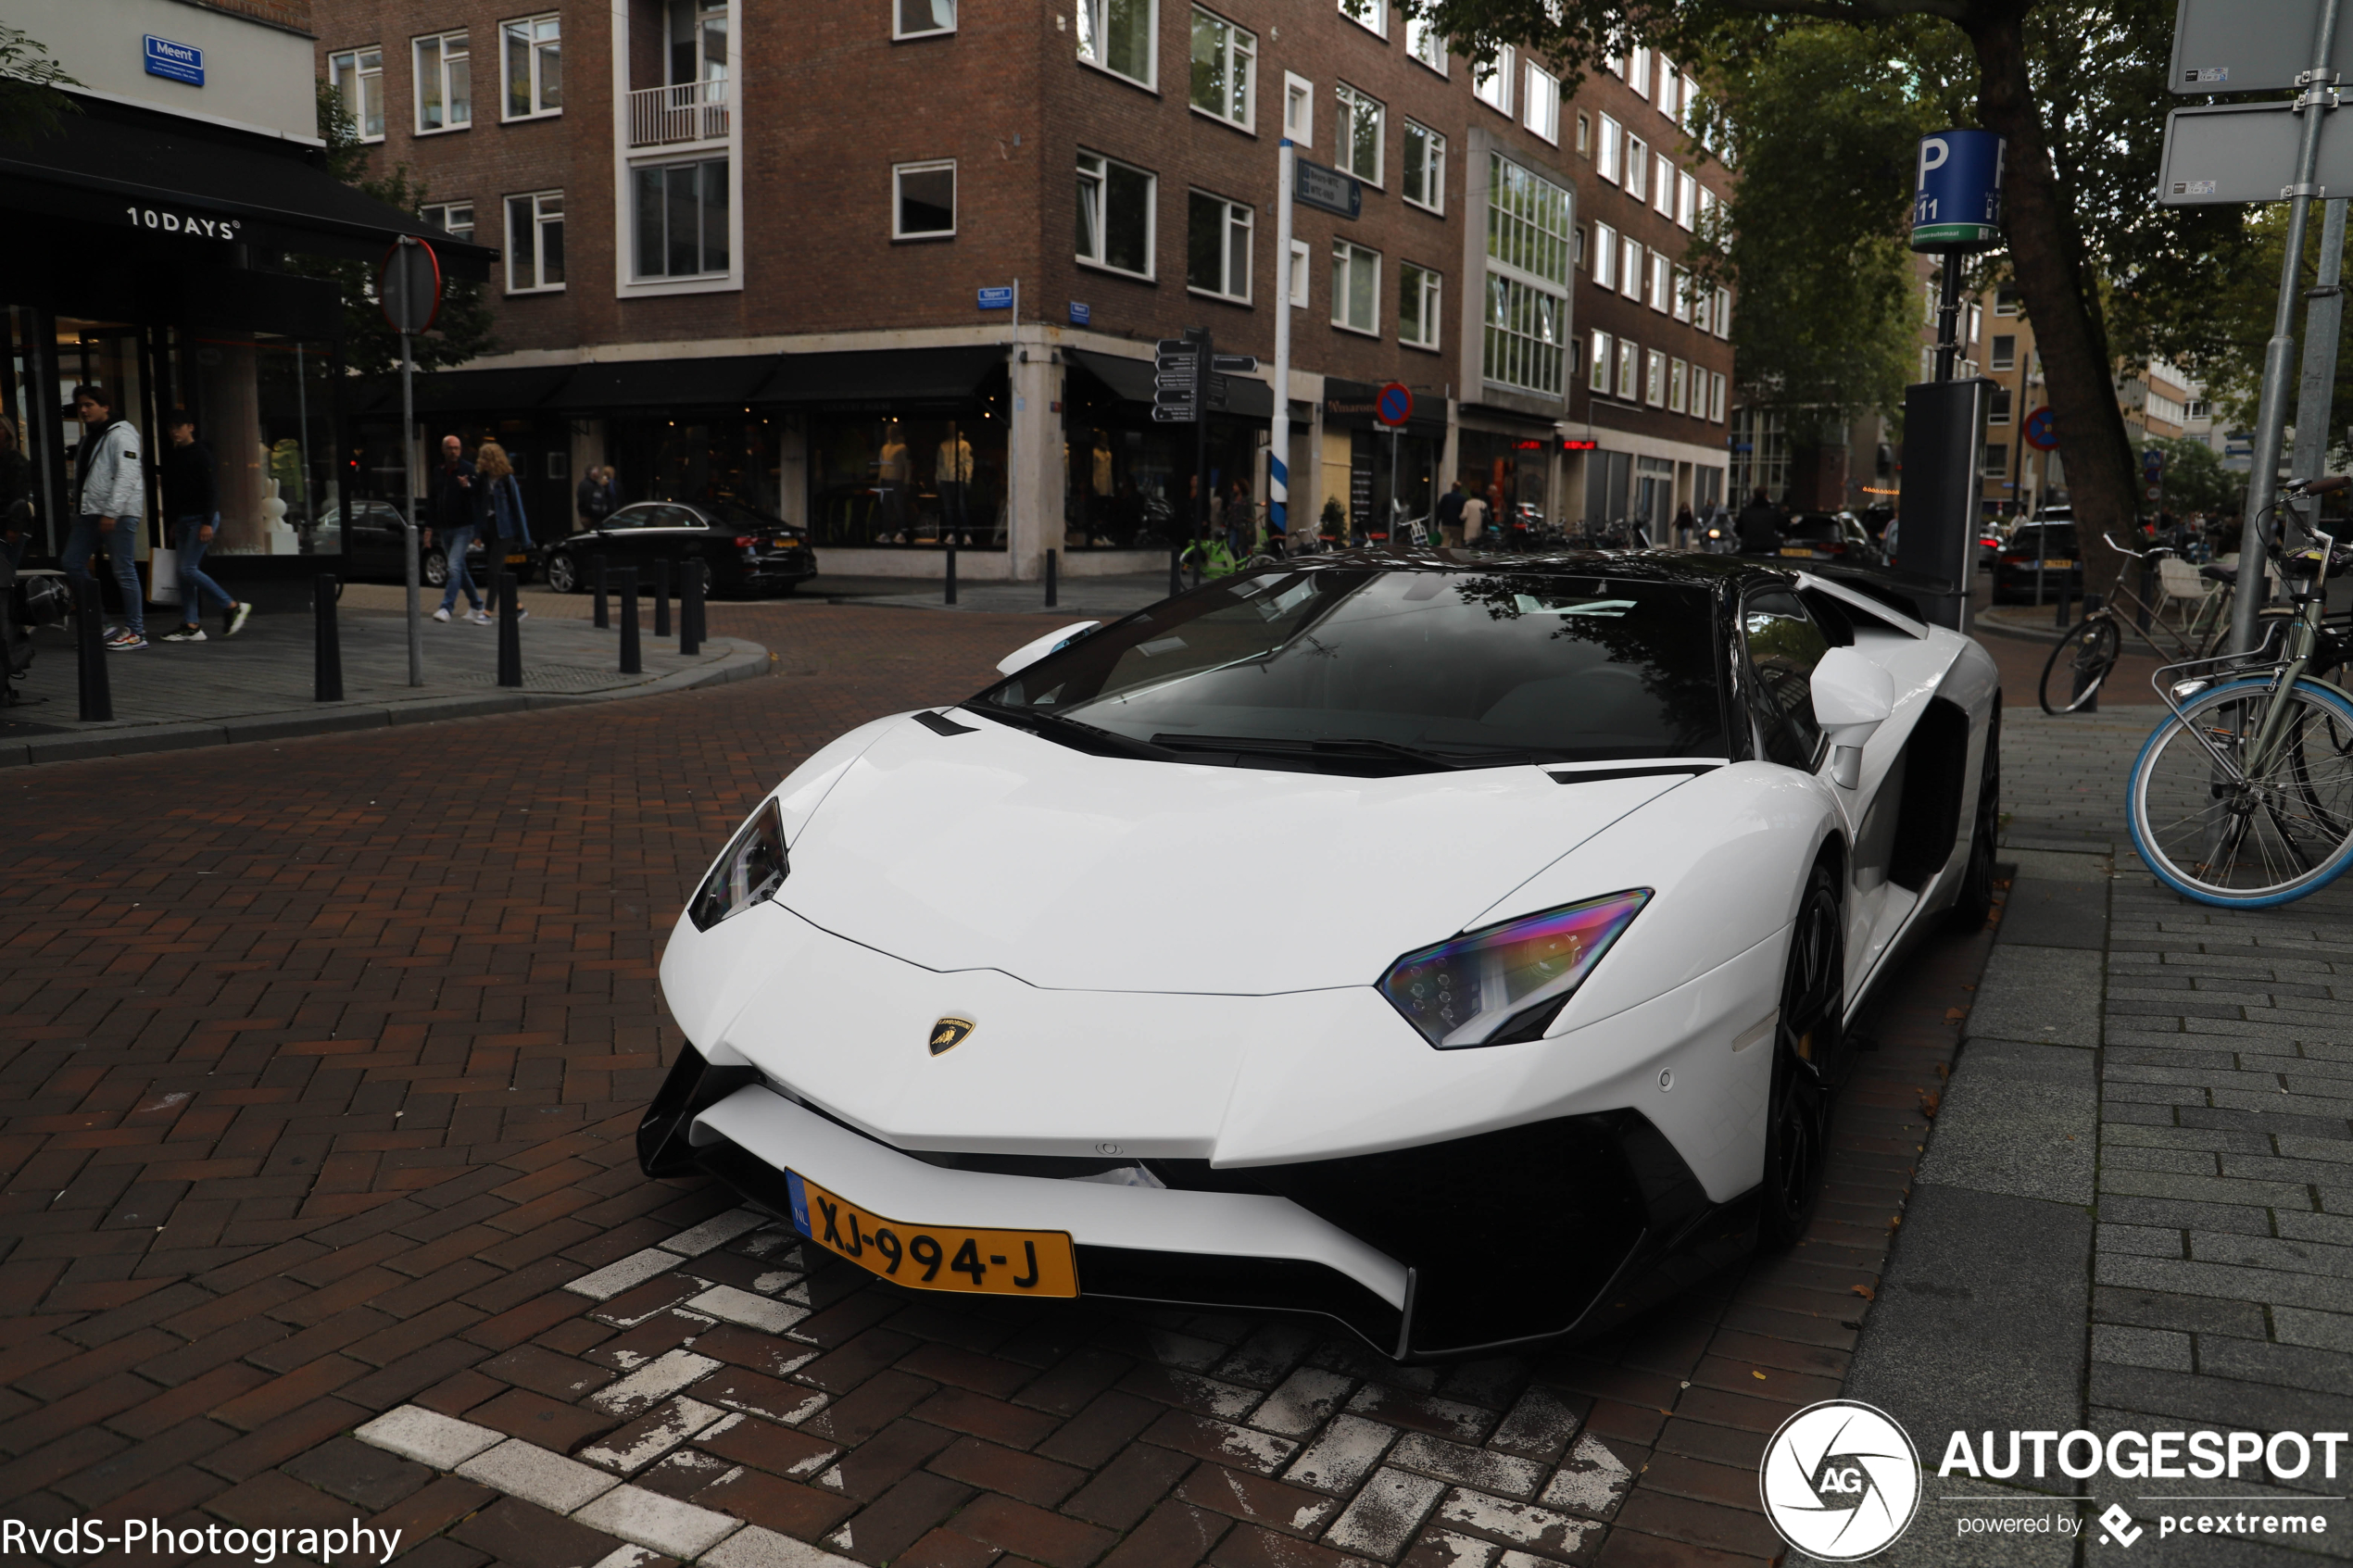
{"points": [[894, 476], [952, 470]]}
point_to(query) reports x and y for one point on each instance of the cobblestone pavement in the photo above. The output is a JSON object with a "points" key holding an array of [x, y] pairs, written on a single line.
{"points": [[321, 1063]]}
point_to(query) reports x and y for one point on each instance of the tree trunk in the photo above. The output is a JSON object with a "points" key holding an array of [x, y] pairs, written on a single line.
{"points": [[2046, 253]]}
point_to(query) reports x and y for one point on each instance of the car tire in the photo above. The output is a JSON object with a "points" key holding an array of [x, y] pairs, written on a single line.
{"points": [[433, 569], [563, 573], [1808, 1050], [1974, 903]]}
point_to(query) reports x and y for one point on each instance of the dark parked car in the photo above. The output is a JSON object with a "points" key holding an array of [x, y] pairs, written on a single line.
{"points": [[745, 552], [2014, 568], [1828, 536], [369, 533]]}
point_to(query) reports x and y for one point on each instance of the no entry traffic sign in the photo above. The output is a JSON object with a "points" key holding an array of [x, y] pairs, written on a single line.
{"points": [[1393, 405]]}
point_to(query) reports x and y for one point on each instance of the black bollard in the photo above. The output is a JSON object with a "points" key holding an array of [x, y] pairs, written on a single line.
{"points": [[89, 627], [951, 572], [631, 663], [690, 610], [1176, 572], [1053, 596], [326, 642], [662, 596], [510, 632], [604, 613]]}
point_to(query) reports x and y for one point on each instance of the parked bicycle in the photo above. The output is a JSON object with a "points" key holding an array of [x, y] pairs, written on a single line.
{"points": [[2087, 652], [2243, 797]]}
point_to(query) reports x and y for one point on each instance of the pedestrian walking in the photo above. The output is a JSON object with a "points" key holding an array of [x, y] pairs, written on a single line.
{"points": [[455, 507], [1686, 525], [1450, 517], [1474, 518], [1759, 526], [109, 503], [502, 495], [595, 497], [16, 494], [1240, 530], [192, 502]]}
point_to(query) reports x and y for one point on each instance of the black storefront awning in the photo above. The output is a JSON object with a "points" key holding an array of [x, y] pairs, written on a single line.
{"points": [[164, 177], [887, 381], [895, 378], [516, 390], [1131, 381], [615, 386], [1349, 405]]}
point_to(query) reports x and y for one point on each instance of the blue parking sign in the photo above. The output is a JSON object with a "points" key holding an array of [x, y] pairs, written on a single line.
{"points": [[1956, 191]]}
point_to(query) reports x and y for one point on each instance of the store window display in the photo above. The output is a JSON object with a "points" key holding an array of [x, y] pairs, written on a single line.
{"points": [[910, 481]]}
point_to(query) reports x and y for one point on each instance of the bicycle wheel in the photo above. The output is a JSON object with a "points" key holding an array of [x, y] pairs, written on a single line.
{"points": [[2078, 666], [2220, 827]]}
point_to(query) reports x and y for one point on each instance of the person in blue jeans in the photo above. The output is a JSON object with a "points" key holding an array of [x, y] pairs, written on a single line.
{"points": [[454, 507], [502, 493], [109, 499], [192, 500]]}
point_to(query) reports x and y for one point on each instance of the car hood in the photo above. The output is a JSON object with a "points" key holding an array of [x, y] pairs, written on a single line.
{"points": [[998, 849]]}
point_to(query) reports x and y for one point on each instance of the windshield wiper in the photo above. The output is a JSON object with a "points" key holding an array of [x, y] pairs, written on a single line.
{"points": [[1343, 745], [1075, 732]]}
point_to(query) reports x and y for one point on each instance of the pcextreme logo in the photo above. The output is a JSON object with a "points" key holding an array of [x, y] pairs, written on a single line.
{"points": [[1841, 1480]]}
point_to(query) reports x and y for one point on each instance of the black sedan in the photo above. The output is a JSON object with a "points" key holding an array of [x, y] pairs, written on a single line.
{"points": [[368, 535], [744, 552], [1828, 536], [2051, 544]]}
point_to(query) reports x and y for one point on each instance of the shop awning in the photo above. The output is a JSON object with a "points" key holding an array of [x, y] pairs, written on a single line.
{"points": [[1131, 381], [642, 385], [166, 178], [881, 381], [1348, 405], [512, 391]]}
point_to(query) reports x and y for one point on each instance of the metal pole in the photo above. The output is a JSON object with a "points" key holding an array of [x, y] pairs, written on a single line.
{"points": [[326, 677], [1278, 452], [89, 615], [2263, 476], [604, 610], [509, 630], [952, 571], [408, 469], [631, 663], [1948, 317], [1054, 595], [690, 610], [662, 596], [2323, 317]]}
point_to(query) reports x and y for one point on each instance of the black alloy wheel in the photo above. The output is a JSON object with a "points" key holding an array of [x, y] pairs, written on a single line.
{"points": [[1974, 903], [1807, 1043], [432, 567], [563, 573]]}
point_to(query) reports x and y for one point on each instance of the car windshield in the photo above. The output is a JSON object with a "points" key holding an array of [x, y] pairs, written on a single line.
{"points": [[1816, 527], [1346, 668], [2033, 538]]}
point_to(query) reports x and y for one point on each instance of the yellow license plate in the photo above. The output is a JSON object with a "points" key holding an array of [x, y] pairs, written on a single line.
{"points": [[934, 1257], [1789, 551], [2055, 565]]}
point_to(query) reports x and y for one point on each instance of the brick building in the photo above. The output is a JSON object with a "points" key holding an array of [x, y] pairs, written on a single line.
{"points": [[743, 251]]}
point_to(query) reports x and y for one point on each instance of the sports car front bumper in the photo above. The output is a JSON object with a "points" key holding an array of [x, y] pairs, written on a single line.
{"points": [[1528, 1233]]}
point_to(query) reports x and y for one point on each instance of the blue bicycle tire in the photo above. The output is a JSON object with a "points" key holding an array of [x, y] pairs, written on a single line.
{"points": [[2159, 865]]}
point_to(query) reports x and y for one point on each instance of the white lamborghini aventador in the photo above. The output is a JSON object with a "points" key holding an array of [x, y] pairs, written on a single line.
{"points": [[1458, 947]]}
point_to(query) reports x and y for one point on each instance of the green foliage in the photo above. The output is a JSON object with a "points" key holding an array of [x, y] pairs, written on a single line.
{"points": [[30, 101], [461, 332], [1334, 517], [2196, 479]]}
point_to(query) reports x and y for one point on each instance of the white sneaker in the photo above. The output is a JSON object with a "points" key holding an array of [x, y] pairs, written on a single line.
{"points": [[442, 615], [477, 617], [185, 634]]}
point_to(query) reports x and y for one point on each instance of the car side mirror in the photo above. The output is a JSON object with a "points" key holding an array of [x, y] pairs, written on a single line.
{"points": [[1028, 654], [1853, 697]]}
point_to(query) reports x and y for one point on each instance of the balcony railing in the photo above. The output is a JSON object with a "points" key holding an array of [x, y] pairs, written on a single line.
{"points": [[685, 111]]}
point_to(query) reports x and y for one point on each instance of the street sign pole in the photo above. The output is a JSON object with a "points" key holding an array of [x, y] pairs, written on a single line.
{"points": [[408, 289], [2324, 316], [409, 497], [1278, 455], [2263, 480], [1201, 439]]}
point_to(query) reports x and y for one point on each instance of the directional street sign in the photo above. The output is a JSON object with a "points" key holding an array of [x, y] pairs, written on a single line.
{"points": [[1176, 378], [2153, 464], [1233, 364], [2238, 152], [2251, 45], [1326, 189]]}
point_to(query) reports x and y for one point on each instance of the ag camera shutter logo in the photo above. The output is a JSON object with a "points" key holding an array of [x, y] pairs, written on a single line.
{"points": [[1841, 1480]]}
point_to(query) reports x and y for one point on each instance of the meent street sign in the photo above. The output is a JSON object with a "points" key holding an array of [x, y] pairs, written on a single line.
{"points": [[1327, 190], [2251, 46], [2236, 152]]}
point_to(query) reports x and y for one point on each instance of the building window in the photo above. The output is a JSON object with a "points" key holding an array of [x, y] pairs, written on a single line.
{"points": [[682, 218], [1670, 88], [1218, 246], [2004, 355], [534, 66], [1299, 109], [445, 83], [1678, 386], [1417, 289], [923, 200], [1355, 287], [1116, 215], [1492, 80], [1638, 70], [1426, 43], [457, 219], [2005, 301], [1700, 298], [1225, 66], [1637, 168], [536, 242], [1357, 133], [1584, 133], [1118, 36], [1716, 396], [1599, 380], [1661, 282], [1372, 14], [1629, 267], [1542, 112], [1682, 295], [921, 18], [2199, 409], [1997, 457], [1424, 183], [1686, 201], [1629, 370], [1607, 155], [1301, 264], [1663, 187], [1530, 248], [1998, 412], [1655, 378], [1723, 312], [358, 76], [1605, 255]]}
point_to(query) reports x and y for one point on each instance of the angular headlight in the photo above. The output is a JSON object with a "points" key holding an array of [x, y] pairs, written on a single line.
{"points": [[749, 873], [1506, 983]]}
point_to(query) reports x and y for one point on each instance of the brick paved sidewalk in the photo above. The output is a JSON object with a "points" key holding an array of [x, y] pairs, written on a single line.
{"points": [[322, 1064]]}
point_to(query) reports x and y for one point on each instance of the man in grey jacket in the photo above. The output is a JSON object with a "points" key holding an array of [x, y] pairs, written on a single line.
{"points": [[110, 492]]}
